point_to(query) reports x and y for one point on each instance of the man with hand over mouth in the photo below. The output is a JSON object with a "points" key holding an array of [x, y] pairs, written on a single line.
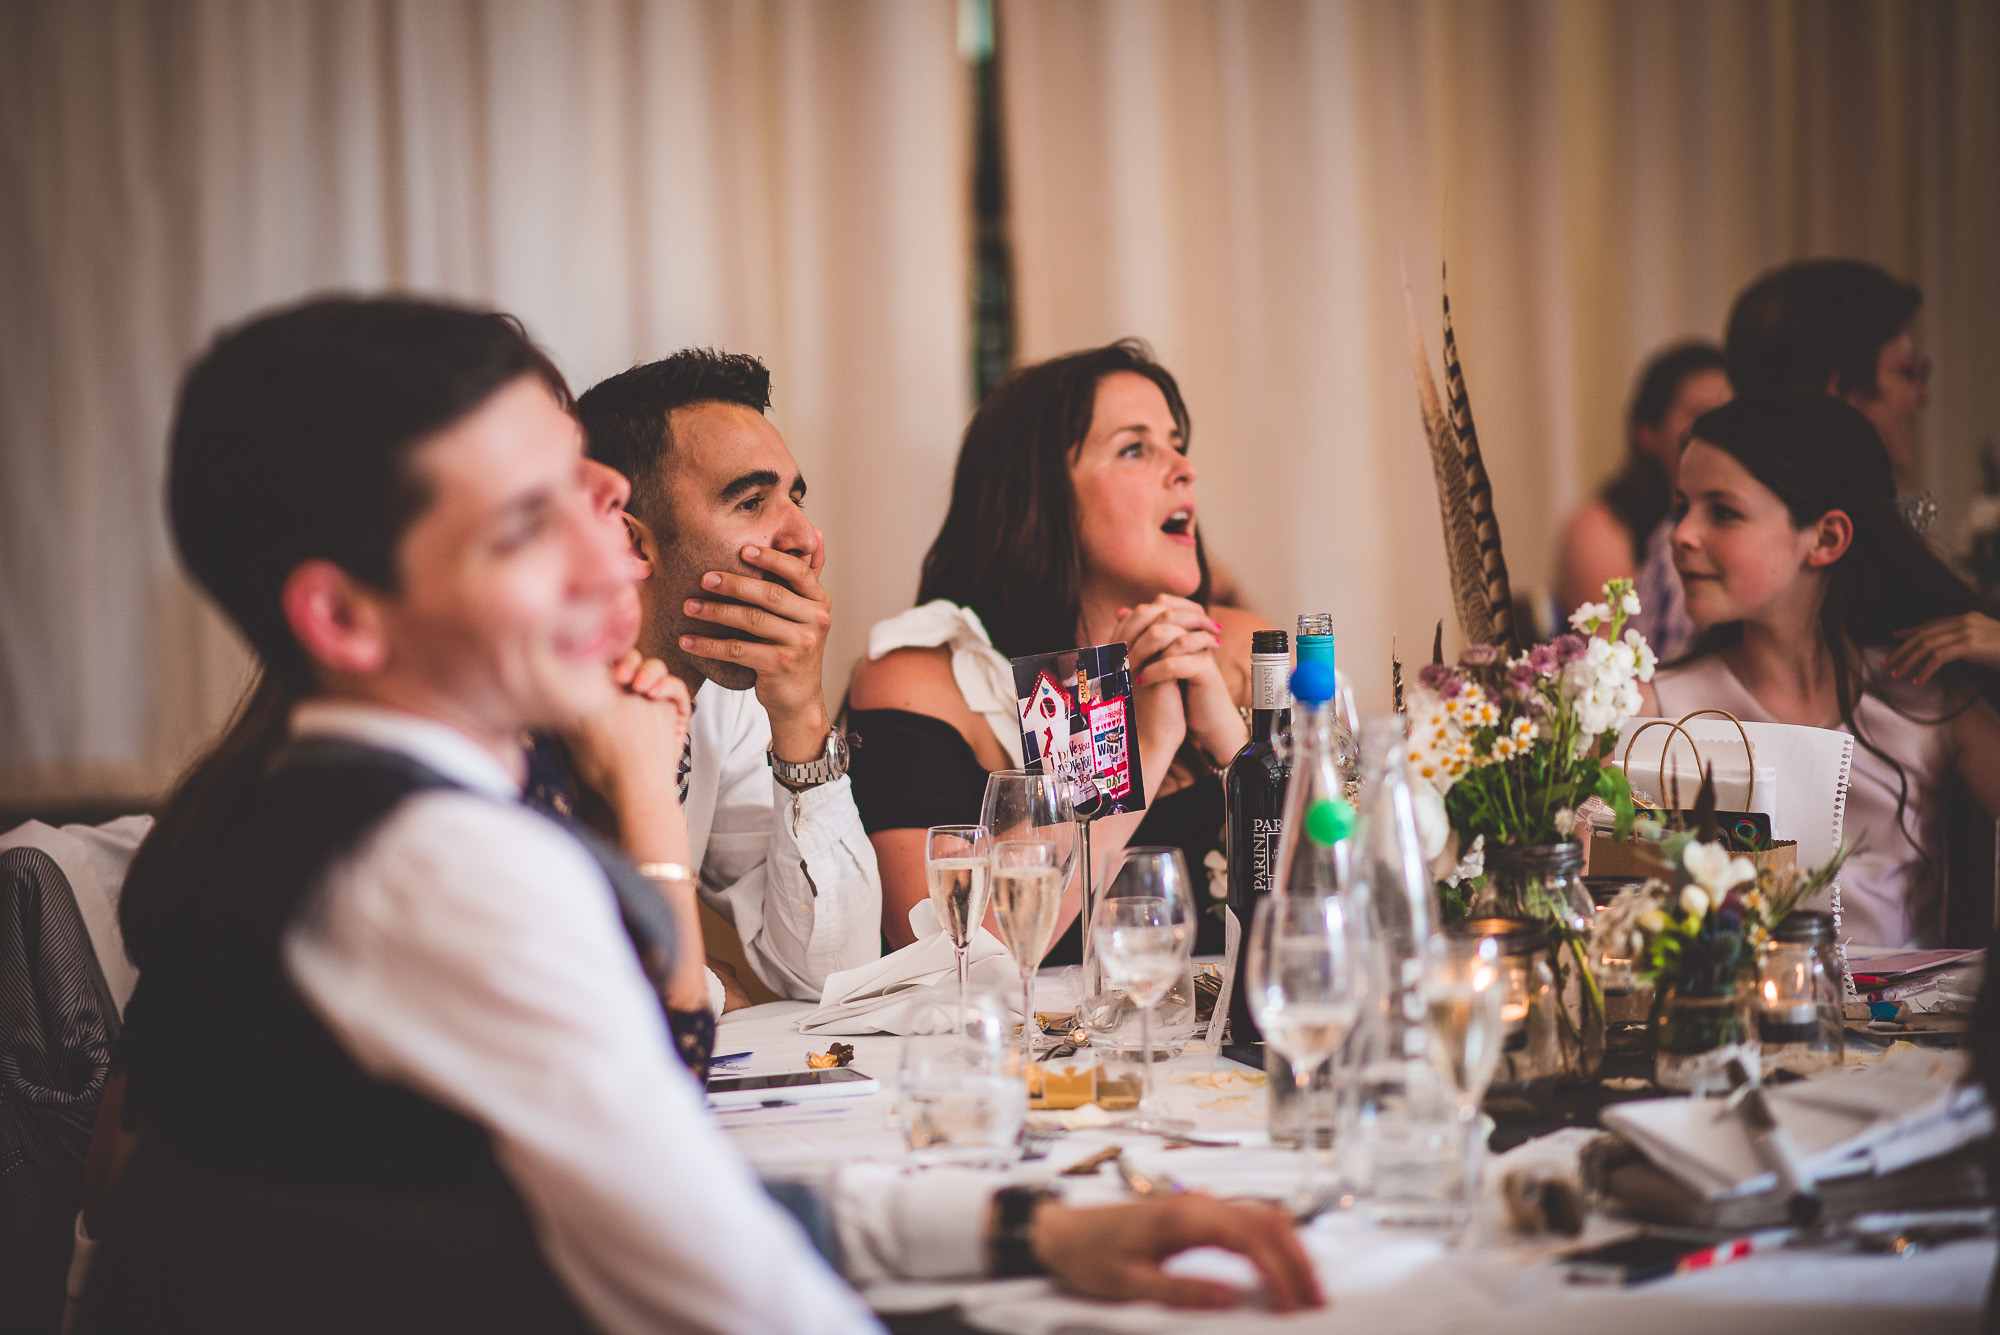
{"points": [[734, 606]]}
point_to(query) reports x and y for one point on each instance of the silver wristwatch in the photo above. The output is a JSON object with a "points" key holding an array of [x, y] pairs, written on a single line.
{"points": [[829, 765]]}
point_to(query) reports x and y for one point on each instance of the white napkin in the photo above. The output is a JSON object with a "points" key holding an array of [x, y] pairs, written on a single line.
{"points": [[1909, 1106], [876, 998]]}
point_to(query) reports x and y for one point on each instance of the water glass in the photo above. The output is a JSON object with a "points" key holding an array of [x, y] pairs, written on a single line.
{"points": [[1107, 1012], [961, 1097], [1143, 935], [1465, 990], [957, 863], [1305, 985]]}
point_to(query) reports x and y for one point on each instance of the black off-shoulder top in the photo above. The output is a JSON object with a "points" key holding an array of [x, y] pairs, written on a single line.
{"points": [[911, 771]]}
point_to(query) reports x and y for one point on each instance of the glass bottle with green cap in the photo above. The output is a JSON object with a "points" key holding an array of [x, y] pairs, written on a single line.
{"points": [[1316, 645], [1313, 859]]}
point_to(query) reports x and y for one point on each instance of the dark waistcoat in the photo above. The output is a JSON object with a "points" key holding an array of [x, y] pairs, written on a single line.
{"points": [[279, 1186]]}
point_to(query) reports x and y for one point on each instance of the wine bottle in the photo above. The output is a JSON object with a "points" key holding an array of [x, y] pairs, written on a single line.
{"points": [[1255, 797]]}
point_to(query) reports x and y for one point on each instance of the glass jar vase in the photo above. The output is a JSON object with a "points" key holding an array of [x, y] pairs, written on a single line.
{"points": [[1697, 1034], [1799, 1005], [1544, 882]]}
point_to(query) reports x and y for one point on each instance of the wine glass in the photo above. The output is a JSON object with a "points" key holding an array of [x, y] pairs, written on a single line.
{"points": [[957, 861], [1021, 805], [1305, 982], [1027, 891], [1464, 988], [1143, 934]]}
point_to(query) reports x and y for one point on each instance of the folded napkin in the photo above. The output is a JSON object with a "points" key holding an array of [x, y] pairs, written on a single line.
{"points": [[877, 997], [1910, 1106]]}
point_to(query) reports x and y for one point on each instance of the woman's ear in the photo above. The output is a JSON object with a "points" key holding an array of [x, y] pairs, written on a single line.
{"points": [[1833, 534]]}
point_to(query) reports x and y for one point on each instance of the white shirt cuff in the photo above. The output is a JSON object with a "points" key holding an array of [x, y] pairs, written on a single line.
{"points": [[715, 993]]}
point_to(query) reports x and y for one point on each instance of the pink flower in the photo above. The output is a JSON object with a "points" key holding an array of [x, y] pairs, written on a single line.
{"points": [[1544, 659], [1479, 656], [1440, 678], [1569, 648]]}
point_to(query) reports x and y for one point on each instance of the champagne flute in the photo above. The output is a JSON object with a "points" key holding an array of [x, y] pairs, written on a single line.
{"points": [[1027, 891], [957, 860], [1305, 982], [1143, 934], [1022, 805], [1464, 987]]}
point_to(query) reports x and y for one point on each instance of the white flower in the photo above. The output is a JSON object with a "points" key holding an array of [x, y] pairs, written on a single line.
{"points": [[1473, 863], [1648, 660], [1217, 867], [1629, 604], [1693, 901], [1565, 821], [1438, 747], [1591, 615], [1715, 870], [1433, 825]]}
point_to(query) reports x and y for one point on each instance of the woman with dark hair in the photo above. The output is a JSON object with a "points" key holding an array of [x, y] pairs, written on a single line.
{"points": [[1623, 534], [1072, 522], [1803, 575]]}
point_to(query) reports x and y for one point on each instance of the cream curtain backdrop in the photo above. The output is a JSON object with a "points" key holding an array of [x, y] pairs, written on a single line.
{"points": [[784, 178], [1238, 181]]}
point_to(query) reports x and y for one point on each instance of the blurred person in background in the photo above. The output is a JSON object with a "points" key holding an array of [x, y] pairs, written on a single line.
{"points": [[1839, 327], [1625, 533], [1072, 522], [1842, 327]]}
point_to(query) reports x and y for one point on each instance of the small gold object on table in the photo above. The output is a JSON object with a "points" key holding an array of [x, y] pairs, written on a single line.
{"points": [[837, 1054], [1056, 1088]]}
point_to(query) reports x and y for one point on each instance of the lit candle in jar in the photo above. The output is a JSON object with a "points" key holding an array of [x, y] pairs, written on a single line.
{"points": [[1786, 1015]]}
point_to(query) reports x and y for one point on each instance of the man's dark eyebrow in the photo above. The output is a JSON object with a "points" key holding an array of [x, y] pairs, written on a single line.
{"points": [[763, 477]]}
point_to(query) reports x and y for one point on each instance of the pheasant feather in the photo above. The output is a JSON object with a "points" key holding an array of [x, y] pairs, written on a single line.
{"points": [[1498, 589], [1461, 530]]}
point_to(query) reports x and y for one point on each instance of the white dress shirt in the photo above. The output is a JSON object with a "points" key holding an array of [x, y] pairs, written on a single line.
{"points": [[794, 873], [472, 951]]}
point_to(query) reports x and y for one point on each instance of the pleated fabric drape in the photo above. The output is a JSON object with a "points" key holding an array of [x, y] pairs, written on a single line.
{"points": [[1242, 182], [785, 178]]}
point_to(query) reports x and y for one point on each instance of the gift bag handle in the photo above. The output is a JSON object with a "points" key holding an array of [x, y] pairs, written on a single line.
{"points": [[1749, 749], [1672, 803]]}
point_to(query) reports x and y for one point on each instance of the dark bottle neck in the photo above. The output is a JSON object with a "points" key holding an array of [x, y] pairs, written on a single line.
{"points": [[1267, 723]]}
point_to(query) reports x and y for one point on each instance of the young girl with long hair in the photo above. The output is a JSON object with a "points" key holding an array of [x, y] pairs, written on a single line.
{"points": [[1818, 604]]}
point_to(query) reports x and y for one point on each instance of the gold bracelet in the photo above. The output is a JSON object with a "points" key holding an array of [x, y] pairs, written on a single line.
{"points": [[663, 871]]}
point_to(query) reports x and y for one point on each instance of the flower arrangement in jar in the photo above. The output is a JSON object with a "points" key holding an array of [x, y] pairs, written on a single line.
{"points": [[1694, 933], [1511, 748]]}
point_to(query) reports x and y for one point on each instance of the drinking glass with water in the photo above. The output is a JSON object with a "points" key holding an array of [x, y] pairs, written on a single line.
{"points": [[1306, 987], [961, 1099]]}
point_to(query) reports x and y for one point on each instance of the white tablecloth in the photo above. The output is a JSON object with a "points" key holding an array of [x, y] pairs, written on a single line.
{"points": [[1378, 1281]]}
